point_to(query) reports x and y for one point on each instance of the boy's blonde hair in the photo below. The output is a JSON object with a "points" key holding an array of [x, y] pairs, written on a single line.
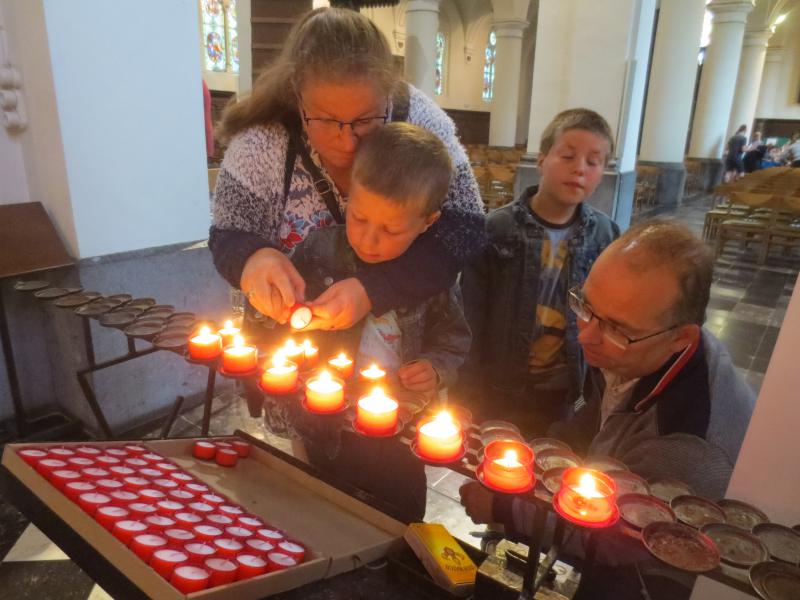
{"points": [[576, 118], [404, 163]]}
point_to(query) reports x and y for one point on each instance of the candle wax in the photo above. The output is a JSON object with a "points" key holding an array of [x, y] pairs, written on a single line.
{"points": [[239, 358], [342, 365], [324, 394], [440, 439], [205, 345], [376, 414]]}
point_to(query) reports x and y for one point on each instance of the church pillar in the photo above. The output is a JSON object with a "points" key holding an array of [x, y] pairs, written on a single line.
{"points": [[505, 97], [748, 83], [769, 81], [422, 24]]}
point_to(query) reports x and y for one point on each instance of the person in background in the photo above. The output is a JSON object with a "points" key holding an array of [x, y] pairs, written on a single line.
{"points": [[734, 168], [791, 152], [526, 365]]}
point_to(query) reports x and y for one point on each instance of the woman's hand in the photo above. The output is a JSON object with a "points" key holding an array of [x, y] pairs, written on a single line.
{"points": [[341, 306], [419, 376], [272, 284]]}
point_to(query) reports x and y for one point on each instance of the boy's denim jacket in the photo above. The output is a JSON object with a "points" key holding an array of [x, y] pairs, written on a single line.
{"points": [[435, 329], [500, 297]]}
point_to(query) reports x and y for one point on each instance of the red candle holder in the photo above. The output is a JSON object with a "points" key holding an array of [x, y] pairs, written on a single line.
{"points": [[587, 498], [80, 462], [187, 519], [88, 451], [135, 463], [293, 549], [123, 497], [134, 449], [199, 551], [212, 498], [62, 477], [91, 501], [165, 560], [47, 465], [117, 452], [151, 496], [165, 485], [32, 455], [249, 522], [61, 453], [242, 448], [207, 533], [159, 523], [258, 546], [222, 570], [109, 485], [231, 510], [145, 544], [107, 461], [219, 520], [181, 495], [440, 439], [140, 510], [121, 471], [196, 488], [376, 414], [204, 450], [152, 457], [107, 516], [239, 533], [178, 536], [151, 473], [205, 345], [201, 508], [226, 457], [167, 467], [278, 561], [73, 489], [227, 547], [135, 484], [507, 467], [188, 579], [126, 529], [273, 536], [250, 565], [93, 473], [181, 477], [168, 508]]}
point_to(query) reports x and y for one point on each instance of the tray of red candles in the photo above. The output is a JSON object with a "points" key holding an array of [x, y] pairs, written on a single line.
{"points": [[209, 518]]}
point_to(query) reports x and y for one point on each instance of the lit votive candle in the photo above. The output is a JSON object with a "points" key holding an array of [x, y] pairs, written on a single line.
{"points": [[376, 414], [440, 439], [228, 333], [324, 394], [300, 316], [342, 365], [372, 374], [587, 497], [310, 354], [281, 377], [508, 466], [205, 345], [294, 352], [239, 357]]}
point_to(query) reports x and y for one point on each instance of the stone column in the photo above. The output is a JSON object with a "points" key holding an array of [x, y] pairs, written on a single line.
{"points": [[748, 83], [422, 24], [505, 97], [718, 82], [670, 93], [769, 81]]}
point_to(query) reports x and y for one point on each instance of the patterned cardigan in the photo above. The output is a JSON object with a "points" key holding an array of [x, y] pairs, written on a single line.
{"points": [[252, 212]]}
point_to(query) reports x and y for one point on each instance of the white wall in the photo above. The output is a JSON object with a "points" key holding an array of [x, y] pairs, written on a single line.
{"points": [[12, 166], [41, 143], [131, 120]]}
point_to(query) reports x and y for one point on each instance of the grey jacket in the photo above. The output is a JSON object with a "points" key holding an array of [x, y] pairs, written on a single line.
{"points": [[435, 329]]}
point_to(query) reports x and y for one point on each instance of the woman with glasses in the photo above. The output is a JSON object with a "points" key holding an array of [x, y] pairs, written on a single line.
{"points": [[287, 172]]}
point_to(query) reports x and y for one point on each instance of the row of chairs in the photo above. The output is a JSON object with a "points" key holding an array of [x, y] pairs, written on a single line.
{"points": [[765, 228], [645, 195]]}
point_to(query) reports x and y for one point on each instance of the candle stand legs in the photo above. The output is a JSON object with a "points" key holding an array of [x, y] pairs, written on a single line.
{"points": [[531, 581], [210, 383]]}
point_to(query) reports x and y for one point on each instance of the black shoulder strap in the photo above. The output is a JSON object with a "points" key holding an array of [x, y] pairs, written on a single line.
{"points": [[401, 98], [321, 183], [288, 167]]}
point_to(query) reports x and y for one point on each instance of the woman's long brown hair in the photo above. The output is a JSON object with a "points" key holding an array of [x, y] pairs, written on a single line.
{"points": [[328, 44]]}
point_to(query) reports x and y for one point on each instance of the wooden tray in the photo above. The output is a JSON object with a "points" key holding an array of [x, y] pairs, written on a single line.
{"points": [[341, 532]]}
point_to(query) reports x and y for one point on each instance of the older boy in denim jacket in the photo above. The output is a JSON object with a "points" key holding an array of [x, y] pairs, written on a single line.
{"points": [[400, 178], [526, 365]]}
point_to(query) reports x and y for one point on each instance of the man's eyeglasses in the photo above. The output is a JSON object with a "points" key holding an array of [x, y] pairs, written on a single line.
{"points": [[332, 127], [584, 312]]}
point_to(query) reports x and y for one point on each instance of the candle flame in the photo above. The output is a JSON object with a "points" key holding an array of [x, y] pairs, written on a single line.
{"points": [[279, 360], [510, 460], [441, 426], [204, 330], [588, 487], [307, 345], [325, 377], [291, 347], [228, 325], [238, 341], [378, 401], [341, 360]]}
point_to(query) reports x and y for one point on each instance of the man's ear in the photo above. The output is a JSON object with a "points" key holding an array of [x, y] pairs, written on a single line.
{"points": [[432, 218], [685, 336], [540, 159]]}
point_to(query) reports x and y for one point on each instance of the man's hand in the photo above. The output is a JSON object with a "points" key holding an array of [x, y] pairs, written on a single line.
{"points": [[272, 284], [419, 376], [477, 501], [341, 306]]}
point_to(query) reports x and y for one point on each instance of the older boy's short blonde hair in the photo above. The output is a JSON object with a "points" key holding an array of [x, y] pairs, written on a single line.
{"points": [[404, 163], [576, 118]]}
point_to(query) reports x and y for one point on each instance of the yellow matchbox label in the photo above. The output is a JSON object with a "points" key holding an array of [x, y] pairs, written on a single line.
{"points": [[447, 554]]}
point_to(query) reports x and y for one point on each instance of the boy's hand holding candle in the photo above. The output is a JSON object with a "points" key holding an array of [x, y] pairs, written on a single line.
{"points": [[419, 376]]}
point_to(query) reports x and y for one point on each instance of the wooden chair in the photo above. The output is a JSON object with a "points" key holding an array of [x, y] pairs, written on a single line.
{"points": [[745, 230], [716, 216]]}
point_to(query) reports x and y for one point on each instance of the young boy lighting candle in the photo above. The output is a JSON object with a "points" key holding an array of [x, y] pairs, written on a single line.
{"points": [[525, 364], [400, 178]]}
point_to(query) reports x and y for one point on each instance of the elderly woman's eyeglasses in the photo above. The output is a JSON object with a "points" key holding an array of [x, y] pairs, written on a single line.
{"points": [[584, 312], [333, 127]]}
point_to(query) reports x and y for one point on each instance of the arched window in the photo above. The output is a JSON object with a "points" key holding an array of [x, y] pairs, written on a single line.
{"points": [[488, 67], [439, 71], [220, 38]]}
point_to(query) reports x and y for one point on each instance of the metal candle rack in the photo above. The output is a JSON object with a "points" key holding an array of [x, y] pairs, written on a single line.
{"points": [[138, 318]]}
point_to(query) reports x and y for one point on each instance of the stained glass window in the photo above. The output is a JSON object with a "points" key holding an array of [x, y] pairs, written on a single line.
{"points": [[439, 71], [488, 66], [220, 38]]}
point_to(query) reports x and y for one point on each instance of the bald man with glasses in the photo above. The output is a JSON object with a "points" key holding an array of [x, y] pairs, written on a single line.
{"points": [[661, 393]]}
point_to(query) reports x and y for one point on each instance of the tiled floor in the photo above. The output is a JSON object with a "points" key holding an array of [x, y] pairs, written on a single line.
{"points": [[746, 310]]}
